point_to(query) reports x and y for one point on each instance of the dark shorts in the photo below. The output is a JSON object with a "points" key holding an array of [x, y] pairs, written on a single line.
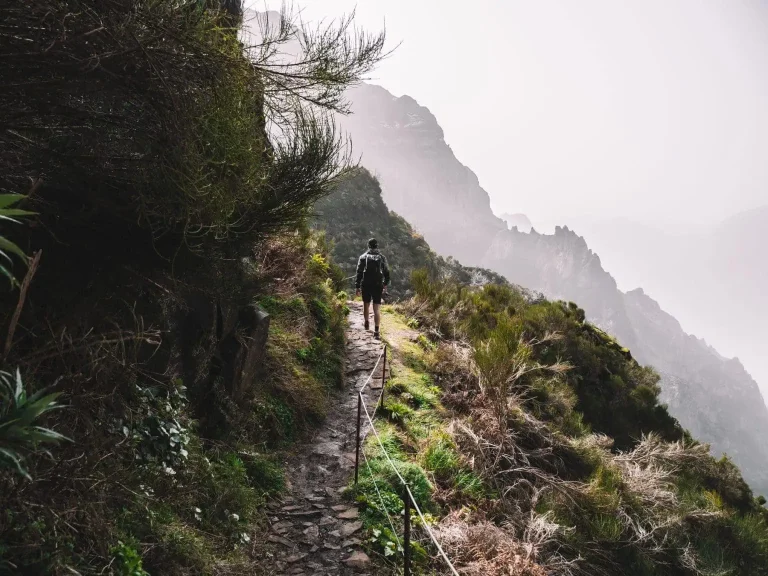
{"points": [[372, 293]]}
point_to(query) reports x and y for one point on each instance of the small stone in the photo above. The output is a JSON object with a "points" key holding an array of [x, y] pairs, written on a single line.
{"points": [[350, 528], [358, 560], [350, 514], [335, 534], [339, 507], [295, 558], [291, 508], [326, 520], [281, 526], [312, 532], [314, 549], [307, 513], [280, 540], [330, 546], [350, 542]]}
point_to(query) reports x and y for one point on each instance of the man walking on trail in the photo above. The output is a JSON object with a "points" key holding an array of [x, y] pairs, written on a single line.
{"points": [[372, 279]]}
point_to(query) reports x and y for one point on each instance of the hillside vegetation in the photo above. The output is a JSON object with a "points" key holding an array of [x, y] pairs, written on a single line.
{"points": [[355, 212], [403, 143], [536, 446], [160, 171], [523, 425]]}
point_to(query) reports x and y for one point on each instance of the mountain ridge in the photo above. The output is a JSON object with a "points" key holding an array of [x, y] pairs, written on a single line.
{"points": [[417, 169]]}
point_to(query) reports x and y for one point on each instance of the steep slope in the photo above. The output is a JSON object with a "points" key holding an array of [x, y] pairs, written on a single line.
{"points": [[356, 211], [712, 396], [689, 272], [423, 181], [402, 143]]}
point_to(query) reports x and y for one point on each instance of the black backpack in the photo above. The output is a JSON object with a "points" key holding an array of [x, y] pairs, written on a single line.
{"points": [[373, 273]]}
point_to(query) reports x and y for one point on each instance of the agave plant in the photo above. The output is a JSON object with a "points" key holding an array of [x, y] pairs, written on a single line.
{"points": [[18, 414], [9, 214], [19, 434]]}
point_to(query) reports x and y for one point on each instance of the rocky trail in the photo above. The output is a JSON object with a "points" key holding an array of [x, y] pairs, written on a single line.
{"points": [[313, 530]]}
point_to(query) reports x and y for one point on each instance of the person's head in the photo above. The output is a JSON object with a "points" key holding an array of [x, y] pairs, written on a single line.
{"points": [[373, 243]]}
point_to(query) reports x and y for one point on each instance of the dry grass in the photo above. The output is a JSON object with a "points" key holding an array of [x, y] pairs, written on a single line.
{"points": [[483, 549]]}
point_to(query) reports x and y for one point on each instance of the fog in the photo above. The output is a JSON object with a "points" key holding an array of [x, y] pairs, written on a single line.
{"points": [[584, 112]]}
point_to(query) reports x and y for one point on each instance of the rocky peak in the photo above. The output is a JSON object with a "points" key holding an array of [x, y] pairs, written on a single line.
{"points": [[404, 145]]}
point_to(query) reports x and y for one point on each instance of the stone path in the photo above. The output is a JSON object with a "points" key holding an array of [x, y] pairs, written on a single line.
{"points": [[313, 530]]}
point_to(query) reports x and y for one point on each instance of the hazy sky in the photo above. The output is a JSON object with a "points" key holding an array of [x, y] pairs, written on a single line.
{"points": [[654, 109]]}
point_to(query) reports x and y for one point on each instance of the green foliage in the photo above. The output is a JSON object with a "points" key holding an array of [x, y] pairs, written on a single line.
{"points": [[440, 457], [165, 210], [355, 211], [161, 436], [127, 561], [397, 412], [612, 393], [652, 506], [20, 433], [9, 214]]}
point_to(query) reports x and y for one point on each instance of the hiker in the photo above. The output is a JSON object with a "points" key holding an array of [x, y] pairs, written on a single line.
{"points": [[372, 279]]}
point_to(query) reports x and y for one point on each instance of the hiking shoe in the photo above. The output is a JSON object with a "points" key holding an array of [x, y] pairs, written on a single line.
{"points": [[376, 334], [367, 326]]}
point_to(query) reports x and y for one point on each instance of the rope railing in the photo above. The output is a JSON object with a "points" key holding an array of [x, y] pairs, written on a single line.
{"points": [[408, 498]]}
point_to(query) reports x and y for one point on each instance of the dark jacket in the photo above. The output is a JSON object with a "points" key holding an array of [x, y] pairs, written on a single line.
{"points": [[362, 264]]}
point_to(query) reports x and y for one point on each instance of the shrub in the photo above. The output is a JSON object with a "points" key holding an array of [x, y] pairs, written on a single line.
{"points": [[19, 433], [127, 561]]}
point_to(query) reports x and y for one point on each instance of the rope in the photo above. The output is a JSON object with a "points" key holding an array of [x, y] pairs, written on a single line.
{"points": [[368, 380], [405, 484]]}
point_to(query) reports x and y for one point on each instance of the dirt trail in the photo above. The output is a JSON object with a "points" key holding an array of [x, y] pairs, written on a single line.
{"points": [[313, 531]]}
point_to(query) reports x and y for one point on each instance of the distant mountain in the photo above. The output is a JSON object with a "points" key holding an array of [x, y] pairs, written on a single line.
{"points": [[402, 143], [356, 211], [519, 221], [713, 397], [721, 270], [423, 181]]}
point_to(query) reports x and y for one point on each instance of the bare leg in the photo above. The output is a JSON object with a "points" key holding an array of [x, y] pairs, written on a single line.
{"points": [[366, 308], [376, 315]]}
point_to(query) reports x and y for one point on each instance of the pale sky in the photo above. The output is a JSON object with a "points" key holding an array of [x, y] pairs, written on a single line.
{"points": [[652, 109]]}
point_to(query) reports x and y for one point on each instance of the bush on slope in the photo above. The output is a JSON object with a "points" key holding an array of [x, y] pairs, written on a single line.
{"points": [[355, 212], [537, 396]]}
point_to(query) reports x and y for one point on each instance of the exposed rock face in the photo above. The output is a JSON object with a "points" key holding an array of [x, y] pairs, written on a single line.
{"points": [[424, 182], [244, 350], [402, 143]]}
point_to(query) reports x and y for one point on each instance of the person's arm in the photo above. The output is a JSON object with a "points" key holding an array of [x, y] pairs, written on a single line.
{"points": [[385, 270], [359, 277]]}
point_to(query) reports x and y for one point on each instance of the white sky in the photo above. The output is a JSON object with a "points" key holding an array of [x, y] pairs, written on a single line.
{"points": [[652, 109]]}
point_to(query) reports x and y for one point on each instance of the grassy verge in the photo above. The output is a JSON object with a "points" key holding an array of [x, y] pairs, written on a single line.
{"points": [[413, 427], [150, 487]]}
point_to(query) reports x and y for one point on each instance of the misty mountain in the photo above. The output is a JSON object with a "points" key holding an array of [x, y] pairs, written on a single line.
{"points": [[519, 221], [720, 270], [712, 396], [421, 179]]}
